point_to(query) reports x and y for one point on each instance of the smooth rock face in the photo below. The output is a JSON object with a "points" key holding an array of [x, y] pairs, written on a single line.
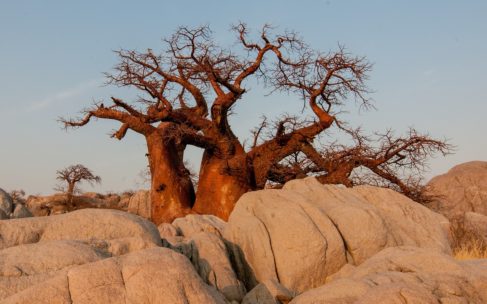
{"points": [[208, 254], [405, 222], [6, 203], [405, 275], [40, 260], [167, 230], [27, 265], [121, 246], [85, 224], [462, 189], [192, 224], [280, 235], [156, 275], [140, 204], [211, 261], [476, 225], [306, 232], [268, 292]]}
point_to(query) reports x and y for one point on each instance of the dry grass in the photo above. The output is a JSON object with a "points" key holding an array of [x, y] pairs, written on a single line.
{"points": [[473, 250], [467, 245]]}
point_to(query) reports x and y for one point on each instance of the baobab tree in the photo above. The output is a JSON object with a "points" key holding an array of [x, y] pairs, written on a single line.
{"points": [[73, 175], [190, 89]]}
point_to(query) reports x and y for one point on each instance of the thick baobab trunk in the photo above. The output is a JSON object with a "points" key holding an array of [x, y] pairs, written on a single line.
{"points": [[69, 196], [172, 192], [221, 183]]}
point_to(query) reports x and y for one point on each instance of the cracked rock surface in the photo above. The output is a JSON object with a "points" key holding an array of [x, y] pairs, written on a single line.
{"points": [[306, 232], [155, 275], [405, 275], [105, 256], [462, 189], [85, 224]]}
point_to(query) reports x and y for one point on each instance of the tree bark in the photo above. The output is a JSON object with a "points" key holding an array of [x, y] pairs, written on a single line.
{"points": [[222, 182], [69, 196], [339, 175], [172, 192]]}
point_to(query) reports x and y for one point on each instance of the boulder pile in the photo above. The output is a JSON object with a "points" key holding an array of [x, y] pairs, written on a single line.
{"points": [[57, 203], [304, 233], [12, 208], [461, 196], [94, 256], [306, 243]]}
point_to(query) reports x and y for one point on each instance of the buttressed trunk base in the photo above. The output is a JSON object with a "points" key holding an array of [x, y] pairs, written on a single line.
{"points": [[172, 193], [221, 184]]}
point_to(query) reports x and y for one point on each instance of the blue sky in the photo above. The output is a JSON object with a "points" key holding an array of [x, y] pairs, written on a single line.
{"points": [[429, 58]]}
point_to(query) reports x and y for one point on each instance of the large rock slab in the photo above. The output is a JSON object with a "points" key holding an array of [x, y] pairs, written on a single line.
{"points": [[462, 189], [167, 230], [27, 265], [6, 203], [475, 224], [85, 224], [268, 292], [195, 223], [210, 258], [280, 235], [405, 275], [140, 204], [156, 275], [306, 232]]}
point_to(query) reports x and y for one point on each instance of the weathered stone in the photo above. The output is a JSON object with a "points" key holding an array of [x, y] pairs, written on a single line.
{"points": [[167, 230], [193, 223], [85, 224], [462, 189], [6, 203], [405, 221], [306, 232], [280, 235], [140, 204], [57, 203], [123, 203], [117, 247], [405, 275], [20, 211], [26, 265], [210, 259], [156, 275], [268, 292], [476, 225]]}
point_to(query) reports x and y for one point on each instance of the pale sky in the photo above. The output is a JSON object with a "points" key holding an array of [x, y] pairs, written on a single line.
{"points": [[429, 58]]}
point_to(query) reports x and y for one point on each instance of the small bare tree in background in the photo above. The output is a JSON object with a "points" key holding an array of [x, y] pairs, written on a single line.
{"points": [[73, 175]]}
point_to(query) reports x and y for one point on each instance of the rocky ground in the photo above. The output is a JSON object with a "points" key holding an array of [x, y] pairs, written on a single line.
{"points": [[305, 243], [461, 196]]}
